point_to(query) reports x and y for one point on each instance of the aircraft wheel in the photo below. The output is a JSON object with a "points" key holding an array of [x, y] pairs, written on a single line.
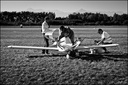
{"points": [[73, 53], [67, 56]]}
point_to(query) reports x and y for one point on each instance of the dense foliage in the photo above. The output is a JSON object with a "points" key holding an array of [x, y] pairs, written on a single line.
{"points": [[32, 18]]}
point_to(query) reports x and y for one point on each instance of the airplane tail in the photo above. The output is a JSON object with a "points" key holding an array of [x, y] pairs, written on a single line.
{"points": [[49, 34]]}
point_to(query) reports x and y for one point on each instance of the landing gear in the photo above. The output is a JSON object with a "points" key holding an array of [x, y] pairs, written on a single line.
{"points": [[72, 54], [67, 56]]}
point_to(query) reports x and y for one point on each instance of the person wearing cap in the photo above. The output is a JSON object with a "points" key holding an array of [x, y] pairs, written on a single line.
{"points": [[65, 31], [105, 39], [44, 29]]}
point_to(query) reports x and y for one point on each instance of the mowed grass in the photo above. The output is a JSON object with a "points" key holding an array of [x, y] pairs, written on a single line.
{"points": [[18, 69]]}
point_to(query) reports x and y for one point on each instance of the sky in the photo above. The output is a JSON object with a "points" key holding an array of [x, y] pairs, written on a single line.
{"points": [[65, 7]]}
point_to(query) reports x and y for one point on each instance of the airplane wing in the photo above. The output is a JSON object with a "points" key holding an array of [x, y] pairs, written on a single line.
{"points": [[33, 47], [97, 46]]}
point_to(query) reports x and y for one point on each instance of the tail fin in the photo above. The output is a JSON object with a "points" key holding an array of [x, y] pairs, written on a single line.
{"points": [[49, 34]]}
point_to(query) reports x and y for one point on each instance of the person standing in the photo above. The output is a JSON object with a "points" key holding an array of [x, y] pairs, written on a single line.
{"points": [[44, 29]]}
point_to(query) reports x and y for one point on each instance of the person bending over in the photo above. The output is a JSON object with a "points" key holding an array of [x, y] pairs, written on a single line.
{"points": [[65, 31]]}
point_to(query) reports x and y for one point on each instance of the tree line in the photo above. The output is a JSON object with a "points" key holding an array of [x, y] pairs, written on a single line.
{"points": [[32, 18]]}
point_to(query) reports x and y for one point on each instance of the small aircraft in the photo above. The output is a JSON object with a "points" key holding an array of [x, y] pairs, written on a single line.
{"points": [[63, 46]]}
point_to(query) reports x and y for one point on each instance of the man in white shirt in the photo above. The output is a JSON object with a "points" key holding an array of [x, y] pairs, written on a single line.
{"points": [[105, 38], [44, 29]]}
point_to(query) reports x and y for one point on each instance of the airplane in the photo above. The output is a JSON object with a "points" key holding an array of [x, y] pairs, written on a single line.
{"points": [[60, 46], [63, 46]]}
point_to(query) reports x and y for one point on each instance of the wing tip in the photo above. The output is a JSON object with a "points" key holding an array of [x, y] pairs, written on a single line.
{"points": [[10, 46]]}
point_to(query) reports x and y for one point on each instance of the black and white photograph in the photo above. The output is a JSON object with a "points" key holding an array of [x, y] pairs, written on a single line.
{"points": [[64, 42]]}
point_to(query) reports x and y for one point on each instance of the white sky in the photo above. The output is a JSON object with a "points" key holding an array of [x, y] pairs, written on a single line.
{"points": [[66, 6]]}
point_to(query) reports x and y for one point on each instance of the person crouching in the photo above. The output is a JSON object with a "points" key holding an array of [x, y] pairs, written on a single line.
{"points": [[105, 39]]}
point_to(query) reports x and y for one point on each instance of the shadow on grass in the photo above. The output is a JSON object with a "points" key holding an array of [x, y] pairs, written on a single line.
{"points": [[99, 57], [43, 55], [90, 57]]}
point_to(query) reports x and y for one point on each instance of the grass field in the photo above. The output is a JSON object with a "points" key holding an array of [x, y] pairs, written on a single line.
{"points": [[18, 69]]}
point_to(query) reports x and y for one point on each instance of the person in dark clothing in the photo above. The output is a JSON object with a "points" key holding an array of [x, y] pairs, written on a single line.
{"points": [[65, 31]]}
